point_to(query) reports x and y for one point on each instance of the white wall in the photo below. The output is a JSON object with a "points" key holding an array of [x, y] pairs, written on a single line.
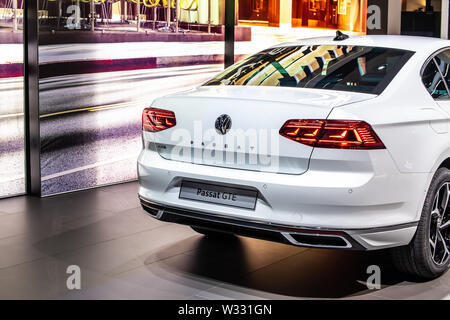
{"points": [[394, 17], [445, 18]]}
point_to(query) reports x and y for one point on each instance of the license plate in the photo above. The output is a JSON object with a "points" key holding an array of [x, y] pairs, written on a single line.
{"points": [[235, 197]]}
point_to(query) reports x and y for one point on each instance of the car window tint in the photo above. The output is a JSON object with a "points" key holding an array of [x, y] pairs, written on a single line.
{"points": [[364, 72], [337, 67], [443, 61], [433, 81]]}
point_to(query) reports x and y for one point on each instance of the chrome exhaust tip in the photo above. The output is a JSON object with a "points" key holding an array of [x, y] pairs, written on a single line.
{"points": [[317, 240]]}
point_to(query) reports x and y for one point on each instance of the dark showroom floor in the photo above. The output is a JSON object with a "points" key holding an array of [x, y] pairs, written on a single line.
{"points": [[124, 254]]}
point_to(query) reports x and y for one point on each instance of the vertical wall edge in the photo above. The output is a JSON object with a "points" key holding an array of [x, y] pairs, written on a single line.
{"points": [[31, 98]]}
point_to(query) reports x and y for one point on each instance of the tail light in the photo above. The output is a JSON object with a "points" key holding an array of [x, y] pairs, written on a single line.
{"points": [[154, 120], [341, 134]]}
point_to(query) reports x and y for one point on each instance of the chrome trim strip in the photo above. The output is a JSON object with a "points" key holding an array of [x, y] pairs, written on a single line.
{"points": [[291, 239]]}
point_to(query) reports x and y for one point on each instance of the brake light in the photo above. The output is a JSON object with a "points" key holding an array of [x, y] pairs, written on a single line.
{"points": [[342, 134], [154, 120]]}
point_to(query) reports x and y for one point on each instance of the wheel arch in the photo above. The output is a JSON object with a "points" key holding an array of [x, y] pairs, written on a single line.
{"points": [[445, 164], [442, 162]]}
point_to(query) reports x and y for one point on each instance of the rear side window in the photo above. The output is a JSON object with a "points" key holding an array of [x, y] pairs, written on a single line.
{"points": [[443, 62], [345, 68], [433, 77]]}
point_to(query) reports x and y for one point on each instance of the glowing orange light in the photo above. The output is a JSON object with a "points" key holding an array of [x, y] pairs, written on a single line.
{"points": [[340, 136], [312, 134], [293, 133]]}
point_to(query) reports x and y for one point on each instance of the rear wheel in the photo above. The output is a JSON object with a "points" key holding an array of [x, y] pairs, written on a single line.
{"points": [[428, 254], [212, 233]]}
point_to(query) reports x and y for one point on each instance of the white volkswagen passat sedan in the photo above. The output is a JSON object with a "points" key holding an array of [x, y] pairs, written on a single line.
{"points": [[324, 143]]}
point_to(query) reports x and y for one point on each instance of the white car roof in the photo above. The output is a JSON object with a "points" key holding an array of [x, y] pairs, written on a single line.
{"points": [[423, 45]]}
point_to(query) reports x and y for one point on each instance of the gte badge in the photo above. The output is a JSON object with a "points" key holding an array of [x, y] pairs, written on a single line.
{"points": [[223, 124]]}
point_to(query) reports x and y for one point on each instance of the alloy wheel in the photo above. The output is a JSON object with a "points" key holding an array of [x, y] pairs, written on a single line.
{"points": [[440, 226]]}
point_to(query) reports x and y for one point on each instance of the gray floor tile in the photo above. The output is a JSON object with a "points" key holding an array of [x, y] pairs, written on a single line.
{"points": [[435, 289], [156, 281], [18, 250], [131, 252], [256, 253], [40, 279], [319, 273], [125, 254]]}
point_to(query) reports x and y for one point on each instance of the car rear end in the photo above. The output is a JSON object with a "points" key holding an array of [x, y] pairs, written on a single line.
{"points": [[258, 151]]}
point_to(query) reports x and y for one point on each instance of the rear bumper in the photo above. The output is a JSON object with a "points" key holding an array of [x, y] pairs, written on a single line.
{"points": [[361, 239], [367, 200]]}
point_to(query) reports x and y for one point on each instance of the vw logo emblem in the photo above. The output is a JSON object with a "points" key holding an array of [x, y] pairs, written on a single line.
{"points": [[223, 124]]}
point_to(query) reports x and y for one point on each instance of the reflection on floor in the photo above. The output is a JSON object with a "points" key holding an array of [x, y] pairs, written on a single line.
{"points": [[124, 254]]}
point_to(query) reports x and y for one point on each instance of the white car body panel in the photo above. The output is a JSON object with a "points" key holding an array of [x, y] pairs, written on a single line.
{"points": [[242, 104], [375, 196]]}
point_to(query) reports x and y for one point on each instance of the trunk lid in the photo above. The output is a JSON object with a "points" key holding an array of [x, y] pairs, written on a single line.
{"points": [[257, 114]]}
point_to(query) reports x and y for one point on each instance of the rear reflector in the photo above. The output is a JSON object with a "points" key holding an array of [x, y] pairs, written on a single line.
{"points": [[341, 134], [154, 120]]}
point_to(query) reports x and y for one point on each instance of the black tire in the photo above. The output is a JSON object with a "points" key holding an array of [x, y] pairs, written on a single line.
{"points": [[418, 258], [211, 233]]}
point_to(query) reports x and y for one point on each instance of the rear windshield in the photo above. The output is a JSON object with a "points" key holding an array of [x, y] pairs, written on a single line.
{"points": [[346, 68]]}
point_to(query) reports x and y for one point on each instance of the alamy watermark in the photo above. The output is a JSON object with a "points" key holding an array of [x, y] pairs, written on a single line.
{"points": [[73, 282], [374, 280], [257, 148], [74, 19], [373, 17]]}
